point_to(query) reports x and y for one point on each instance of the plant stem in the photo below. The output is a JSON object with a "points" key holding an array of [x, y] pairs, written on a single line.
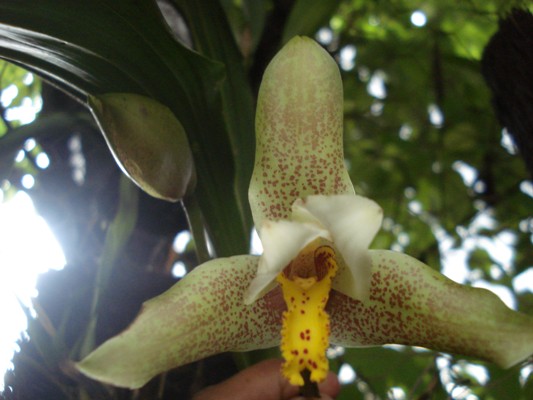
{"points": [[196, 225], [310, 389]]}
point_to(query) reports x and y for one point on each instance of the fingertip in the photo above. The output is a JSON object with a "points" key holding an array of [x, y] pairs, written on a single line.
{"points": [[331, 386], [264, 381]]}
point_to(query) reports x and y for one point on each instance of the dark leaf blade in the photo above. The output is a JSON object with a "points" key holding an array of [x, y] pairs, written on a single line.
{"points": [[307, 17], [63, 58], [212, 37], [124, 46]]}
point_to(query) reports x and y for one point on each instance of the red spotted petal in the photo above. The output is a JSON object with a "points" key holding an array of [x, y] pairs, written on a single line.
{"points": [[299, 121], [414, 305], [201, 315]]}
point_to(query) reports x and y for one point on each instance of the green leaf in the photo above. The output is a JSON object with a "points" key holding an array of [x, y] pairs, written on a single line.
{"points": [[212, 37], [125, 46], [504, 384], [307, 17], [480, 259], [118, 234], [383, 368]]}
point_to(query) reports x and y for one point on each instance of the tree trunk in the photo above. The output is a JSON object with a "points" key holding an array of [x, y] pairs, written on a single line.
{"points": [[507, 66]]}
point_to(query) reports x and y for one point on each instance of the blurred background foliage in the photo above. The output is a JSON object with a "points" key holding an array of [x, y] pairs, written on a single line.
{"points": [[421, 139]]}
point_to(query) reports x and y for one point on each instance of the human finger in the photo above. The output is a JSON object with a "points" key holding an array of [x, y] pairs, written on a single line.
{"points": [[263, 381]]}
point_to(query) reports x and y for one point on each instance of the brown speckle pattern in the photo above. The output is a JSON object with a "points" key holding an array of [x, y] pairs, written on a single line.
{"points": [[410, 304], [299, 131], [201, 315], [414, 305]]}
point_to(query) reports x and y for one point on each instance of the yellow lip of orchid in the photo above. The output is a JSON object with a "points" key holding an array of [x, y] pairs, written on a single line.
{"points": [[308, 217], [348, 223], [306, 324]]}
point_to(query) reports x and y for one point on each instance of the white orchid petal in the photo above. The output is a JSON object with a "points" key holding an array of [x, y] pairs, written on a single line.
{"points": [[353, 279], [353, 221], [259, 286], [300, 213], [282, 241]]}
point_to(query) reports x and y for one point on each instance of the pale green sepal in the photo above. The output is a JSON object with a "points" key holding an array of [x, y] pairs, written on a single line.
{"points": [[148, 143], [299, 122], [412, 304], [201, 315]]}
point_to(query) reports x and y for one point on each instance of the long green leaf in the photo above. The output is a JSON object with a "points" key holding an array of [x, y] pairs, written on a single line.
{"points": [[118, 234], [212, 37], [125, 46]]}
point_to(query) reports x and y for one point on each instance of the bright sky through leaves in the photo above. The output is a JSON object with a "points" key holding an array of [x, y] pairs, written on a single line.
{"points": [[418, 18], [27, 249]]}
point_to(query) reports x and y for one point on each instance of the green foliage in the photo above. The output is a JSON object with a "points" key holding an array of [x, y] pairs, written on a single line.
{"points": [[379, 369], [307, 17], [407, 146], [82, 61]]}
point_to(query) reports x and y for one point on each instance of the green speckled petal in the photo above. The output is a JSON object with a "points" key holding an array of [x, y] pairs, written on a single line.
{"points": [[201, 315], [299, 120], [409, 304], [414, 305]]}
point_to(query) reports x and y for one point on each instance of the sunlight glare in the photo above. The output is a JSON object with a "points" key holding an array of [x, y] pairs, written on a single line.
{"points": [[181, 241], [26, 112], [8, 95], [30, 144], [436, 117], [28, 79], [21, 155], [418, 18], [507, 142], [28, 181], [396, 393], [42, 160], [256, 247], [346, 374], [179, 270], [526, 187], [324, 36], [522, 281], [376, 86], [347, 57], [405, 132], [27, 249]]}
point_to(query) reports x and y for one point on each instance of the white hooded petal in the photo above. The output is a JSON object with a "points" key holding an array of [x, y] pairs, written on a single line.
{"points": [[300, 213], [352, 221], [282, 241]]}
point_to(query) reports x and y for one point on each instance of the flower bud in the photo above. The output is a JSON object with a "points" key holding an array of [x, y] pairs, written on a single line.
{"points": [[148, 143]]}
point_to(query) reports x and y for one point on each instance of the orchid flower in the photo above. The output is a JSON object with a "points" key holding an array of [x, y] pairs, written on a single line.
{"points": [[316, 282]]}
